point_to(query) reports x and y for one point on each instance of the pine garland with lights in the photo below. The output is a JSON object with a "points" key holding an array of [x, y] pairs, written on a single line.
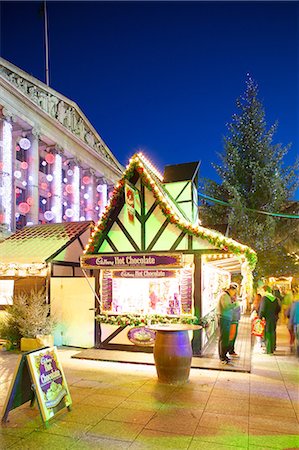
{"points": [[134, 320]]}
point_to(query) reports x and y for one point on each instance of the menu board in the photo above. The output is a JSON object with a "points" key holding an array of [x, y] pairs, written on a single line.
{"points": [[50, 384]]}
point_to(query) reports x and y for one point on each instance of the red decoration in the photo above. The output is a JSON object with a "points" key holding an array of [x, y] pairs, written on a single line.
{"points": [[44, 186], [24, 165], [86, 180], [24, 208], [69, 189], [30, 201], [50, 158]]}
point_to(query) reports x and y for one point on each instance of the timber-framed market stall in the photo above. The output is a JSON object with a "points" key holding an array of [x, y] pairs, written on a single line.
{"points": [[154, 263]]}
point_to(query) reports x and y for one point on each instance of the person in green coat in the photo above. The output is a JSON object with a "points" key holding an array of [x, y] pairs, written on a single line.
{"points": [[269, 310]]}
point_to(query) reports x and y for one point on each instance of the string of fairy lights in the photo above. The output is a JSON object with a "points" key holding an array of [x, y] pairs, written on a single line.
{"points": [[224, 203]]}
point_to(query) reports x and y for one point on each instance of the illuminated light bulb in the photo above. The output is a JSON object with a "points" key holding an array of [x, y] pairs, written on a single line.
{"points": [[24, 143], [69, 212], [49, 177], [82, 218], [17, 174], [86, 196], [30, 178], [24, 208], [65, 180], [82, 187], [50, 158], [24, 165], [69, 188], [48, 215], [44, 163], [44, 186], [86, 180], [44, 201], [70, 172], [24, 183]]}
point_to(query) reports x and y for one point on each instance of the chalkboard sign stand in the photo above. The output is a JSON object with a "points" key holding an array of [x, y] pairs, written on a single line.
{"points": [[21, 388], [25, 385]]}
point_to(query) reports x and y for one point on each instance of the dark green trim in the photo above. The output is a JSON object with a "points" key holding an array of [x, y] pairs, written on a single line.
{"points": [[127, 234], [158, 235], [111, 244], [151, 210], [190, 242], [176, 199], [184, 201], [178, 241]]}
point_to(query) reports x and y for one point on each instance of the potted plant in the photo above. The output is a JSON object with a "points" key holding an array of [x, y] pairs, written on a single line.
{"points": [[31, 314]]}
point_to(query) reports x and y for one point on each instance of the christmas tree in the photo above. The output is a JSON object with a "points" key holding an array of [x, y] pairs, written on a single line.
{"points": [[255, 183]]}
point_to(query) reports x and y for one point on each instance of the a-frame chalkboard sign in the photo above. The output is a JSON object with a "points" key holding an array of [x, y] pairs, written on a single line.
{"points": [[38, 376]]}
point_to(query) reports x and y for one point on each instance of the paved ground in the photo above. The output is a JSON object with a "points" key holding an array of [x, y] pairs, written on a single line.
{"points": [[119, 406]]}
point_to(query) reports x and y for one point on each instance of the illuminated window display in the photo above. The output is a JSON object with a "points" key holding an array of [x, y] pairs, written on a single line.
{"points": [[160, 291], [213, 281]]}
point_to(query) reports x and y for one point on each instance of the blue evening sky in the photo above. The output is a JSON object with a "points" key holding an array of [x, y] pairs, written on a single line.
{"points": [[163, 77]]}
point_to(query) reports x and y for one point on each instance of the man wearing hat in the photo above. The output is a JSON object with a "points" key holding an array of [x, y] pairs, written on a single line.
{"points": [[225, 308]]}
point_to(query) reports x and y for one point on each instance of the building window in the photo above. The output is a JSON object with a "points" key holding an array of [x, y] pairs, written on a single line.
{"points": [[20, 196], [42, 204], [20, 222], [43, 166]]}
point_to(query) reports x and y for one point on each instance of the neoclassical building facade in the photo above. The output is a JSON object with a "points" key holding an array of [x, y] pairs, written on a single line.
{"points": [[54, 166]]}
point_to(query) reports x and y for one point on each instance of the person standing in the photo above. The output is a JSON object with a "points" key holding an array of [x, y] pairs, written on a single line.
{"points": [[225, 306], [269, 310], [236, 316], [293, 324]]}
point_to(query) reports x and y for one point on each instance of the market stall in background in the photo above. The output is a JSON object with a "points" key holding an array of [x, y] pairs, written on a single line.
{"points": [[47, 256], [154, 263]]}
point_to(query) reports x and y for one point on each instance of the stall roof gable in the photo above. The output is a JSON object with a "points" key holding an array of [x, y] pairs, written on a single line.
{"points": [[139, 167], [40, 243]]}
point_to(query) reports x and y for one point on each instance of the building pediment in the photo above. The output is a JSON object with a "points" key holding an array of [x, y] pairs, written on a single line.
{"points": [[58, 108]]}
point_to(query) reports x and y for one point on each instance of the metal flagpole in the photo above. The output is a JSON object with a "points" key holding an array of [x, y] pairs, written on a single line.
{"points": [[46, 42]]}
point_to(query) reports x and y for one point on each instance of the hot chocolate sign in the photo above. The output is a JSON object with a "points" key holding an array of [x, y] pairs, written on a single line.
{"points": [[136, 260]]}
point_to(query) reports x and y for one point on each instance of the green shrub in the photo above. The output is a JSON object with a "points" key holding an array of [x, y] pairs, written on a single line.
{"points": [[9, 331]]}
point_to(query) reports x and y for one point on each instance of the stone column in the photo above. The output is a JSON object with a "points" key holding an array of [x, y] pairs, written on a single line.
{"points": [[72, 211], [90, 200], [57, 186], [102, 189], [32, 182], [6, 175]]}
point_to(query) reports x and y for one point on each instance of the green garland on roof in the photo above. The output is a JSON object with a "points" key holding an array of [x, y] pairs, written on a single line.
{"points": [[216, 239]]}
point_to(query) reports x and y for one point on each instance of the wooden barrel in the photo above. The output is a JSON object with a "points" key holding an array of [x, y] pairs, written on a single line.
{"points": [[173, 354]]}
